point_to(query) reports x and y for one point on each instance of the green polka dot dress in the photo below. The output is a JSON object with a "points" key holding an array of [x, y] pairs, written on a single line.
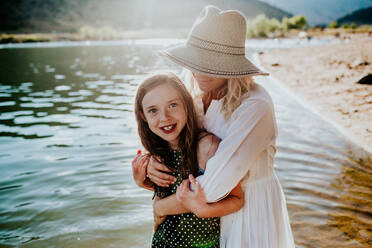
{"points": [[185, 230]]}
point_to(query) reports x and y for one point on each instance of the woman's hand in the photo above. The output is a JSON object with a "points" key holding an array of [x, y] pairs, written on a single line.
{"points": [[139, 170], [155, 171], [195, 200], [158, 219]]}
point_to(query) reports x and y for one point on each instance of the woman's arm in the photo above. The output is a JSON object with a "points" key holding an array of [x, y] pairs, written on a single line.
{"points": [[169, 206], [251, 130], [186, 201], [195, 200]]}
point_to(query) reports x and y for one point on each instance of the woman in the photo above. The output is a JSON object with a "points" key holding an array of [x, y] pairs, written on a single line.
{"points": [[241, 114]]}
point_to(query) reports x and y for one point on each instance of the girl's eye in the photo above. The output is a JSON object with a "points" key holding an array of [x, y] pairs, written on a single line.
{"points": [[173, 105], [151, 111]]}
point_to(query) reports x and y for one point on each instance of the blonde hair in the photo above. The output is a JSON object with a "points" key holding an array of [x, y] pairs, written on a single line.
{"points": [[231, 94]]}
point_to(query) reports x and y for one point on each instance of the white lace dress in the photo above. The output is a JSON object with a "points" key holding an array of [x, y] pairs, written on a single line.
{"points": [[246, 154]]}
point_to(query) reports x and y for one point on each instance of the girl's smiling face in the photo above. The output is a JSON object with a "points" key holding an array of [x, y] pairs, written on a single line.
{"points": [[165, 113]]}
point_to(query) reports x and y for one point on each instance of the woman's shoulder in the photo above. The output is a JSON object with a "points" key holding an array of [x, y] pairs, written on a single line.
{"points": [[254, 105], [257, 97], [258, 92], [207, 147]]}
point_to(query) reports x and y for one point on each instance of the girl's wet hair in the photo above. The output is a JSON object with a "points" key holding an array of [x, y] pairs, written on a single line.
{"points": [[189, 136]]}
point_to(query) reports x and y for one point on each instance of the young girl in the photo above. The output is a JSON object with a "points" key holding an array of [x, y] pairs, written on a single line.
{"points": [[169, 131]]}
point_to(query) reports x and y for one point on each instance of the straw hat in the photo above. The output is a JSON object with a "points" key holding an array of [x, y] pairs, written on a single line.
{"points": [[215, 46]]}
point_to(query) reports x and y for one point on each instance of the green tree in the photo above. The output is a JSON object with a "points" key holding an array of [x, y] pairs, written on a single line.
{"points": [[300, 22], [261, 26], [296, 22], [333, 24]]}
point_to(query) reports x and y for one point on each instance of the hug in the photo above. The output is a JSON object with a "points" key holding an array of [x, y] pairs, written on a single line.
{"points": [[210, 149]]}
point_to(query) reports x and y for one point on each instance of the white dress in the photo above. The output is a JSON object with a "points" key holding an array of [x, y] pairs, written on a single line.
{"points": [[246, 154]]}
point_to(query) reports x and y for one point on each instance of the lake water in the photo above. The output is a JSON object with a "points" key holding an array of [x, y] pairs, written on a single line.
{"points": [[68, 135]]}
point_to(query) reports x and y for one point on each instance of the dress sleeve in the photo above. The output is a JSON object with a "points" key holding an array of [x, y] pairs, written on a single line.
{"points": [[249, 132]]}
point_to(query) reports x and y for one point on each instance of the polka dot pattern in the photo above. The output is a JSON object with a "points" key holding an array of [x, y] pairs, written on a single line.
{"points": [[185, 230]]}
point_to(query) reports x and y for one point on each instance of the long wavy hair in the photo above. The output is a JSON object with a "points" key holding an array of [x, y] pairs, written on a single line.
{"points": [[189, 136], [231, 93]]}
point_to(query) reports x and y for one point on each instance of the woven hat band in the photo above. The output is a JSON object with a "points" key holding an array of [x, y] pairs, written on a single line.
{"points": [[216, 47]]}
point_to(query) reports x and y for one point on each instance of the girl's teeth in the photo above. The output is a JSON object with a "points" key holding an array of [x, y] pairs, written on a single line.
{"points": [[168, 128]]}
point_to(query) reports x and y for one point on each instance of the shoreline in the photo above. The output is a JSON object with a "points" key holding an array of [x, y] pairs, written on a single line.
{"points": [[324, 77], [92, 35], [106, 33]]}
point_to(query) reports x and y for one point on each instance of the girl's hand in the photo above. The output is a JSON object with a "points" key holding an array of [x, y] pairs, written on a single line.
{"points": [[158, 219], [155, 171], [195, 200], [139, 168]]}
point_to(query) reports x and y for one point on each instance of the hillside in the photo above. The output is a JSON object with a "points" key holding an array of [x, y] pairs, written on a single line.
{"points": [[69, 15], [321, 11], [362, 16]]}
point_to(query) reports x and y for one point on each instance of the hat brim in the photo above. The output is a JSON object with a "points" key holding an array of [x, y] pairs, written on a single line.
{"points": [[212, 63]]}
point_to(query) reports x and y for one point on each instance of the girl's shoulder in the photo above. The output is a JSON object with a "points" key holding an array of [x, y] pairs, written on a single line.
{"points": [[207, 147]]}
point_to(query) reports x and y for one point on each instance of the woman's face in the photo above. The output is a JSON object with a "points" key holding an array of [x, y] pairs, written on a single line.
{"points": [[165, 113], [209, 84]]}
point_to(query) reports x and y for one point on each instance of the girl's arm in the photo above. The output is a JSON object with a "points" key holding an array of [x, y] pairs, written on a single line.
{"points": [[168, 206], [139, 167]]}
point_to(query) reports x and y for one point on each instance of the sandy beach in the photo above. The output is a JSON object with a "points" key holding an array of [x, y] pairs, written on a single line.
{"points": [[326, 77]]}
